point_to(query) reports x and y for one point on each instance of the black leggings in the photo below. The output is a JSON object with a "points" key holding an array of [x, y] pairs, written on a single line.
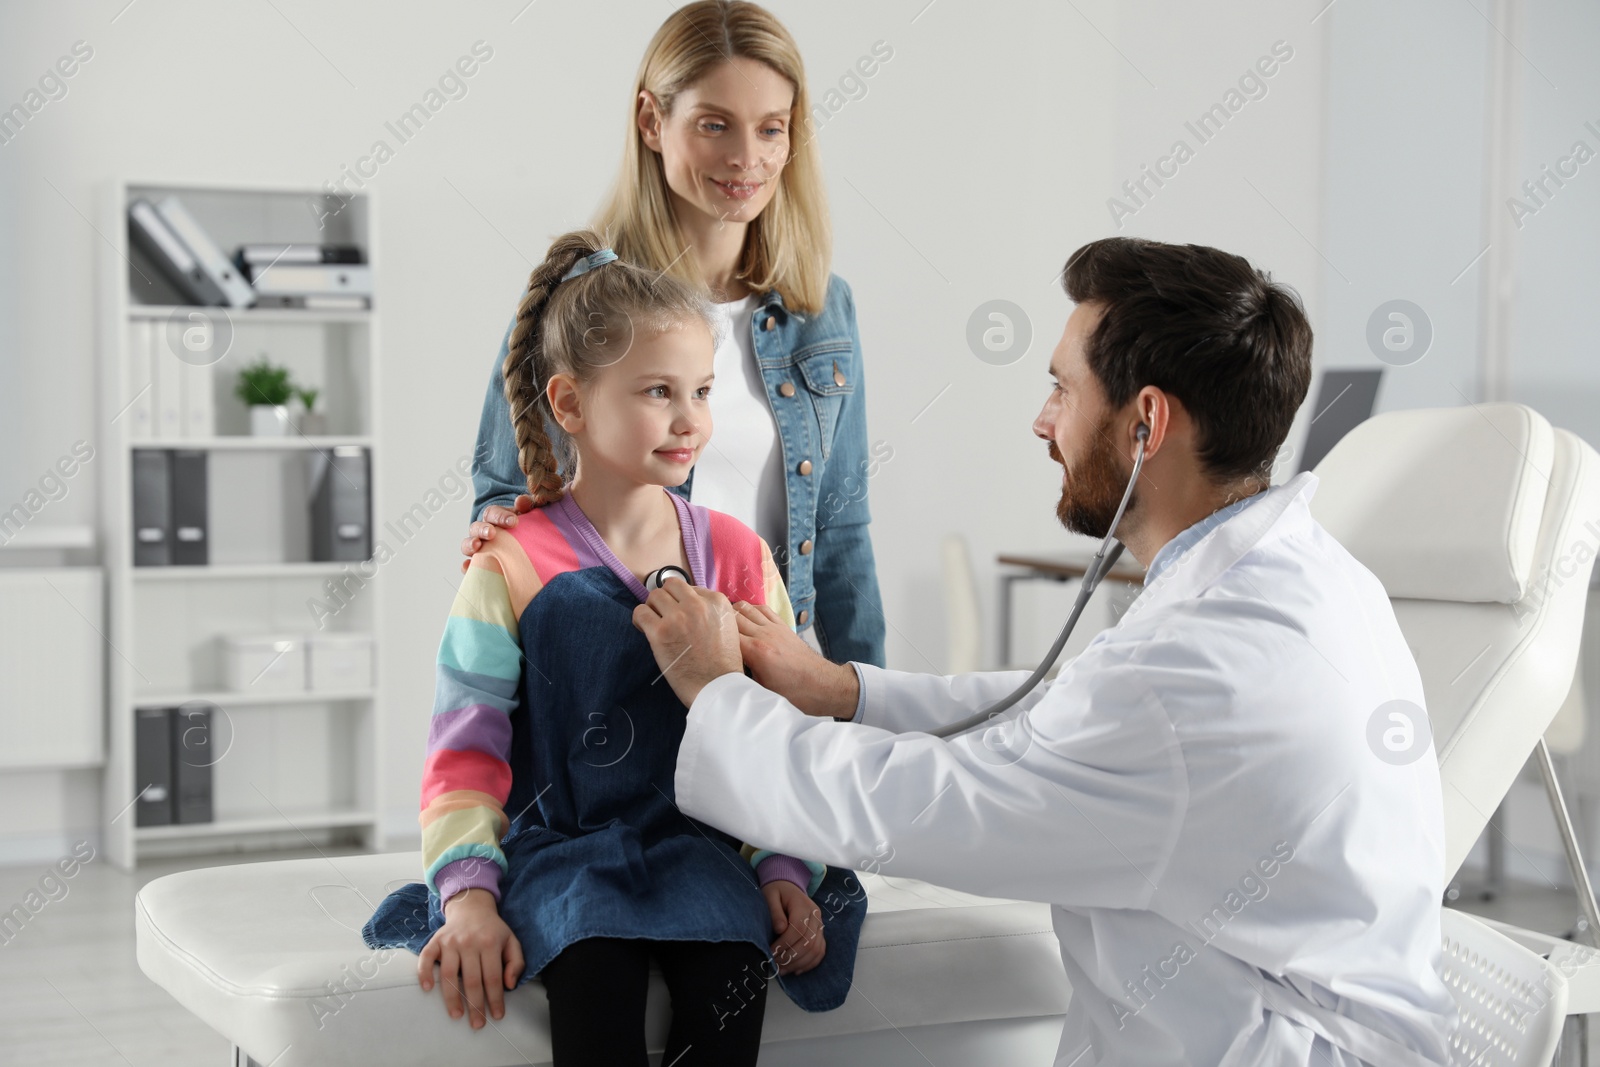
{"points": [[597, 992]]}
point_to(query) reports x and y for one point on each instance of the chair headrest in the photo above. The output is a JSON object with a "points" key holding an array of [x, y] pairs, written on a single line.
{"points": [[1441, 503]]}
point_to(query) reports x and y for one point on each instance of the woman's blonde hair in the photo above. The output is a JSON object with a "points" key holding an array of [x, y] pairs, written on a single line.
{"points": [[789, 246], [576, 327]]}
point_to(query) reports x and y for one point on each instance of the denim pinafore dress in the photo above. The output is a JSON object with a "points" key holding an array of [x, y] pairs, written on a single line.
{"points": [[596, 845]]}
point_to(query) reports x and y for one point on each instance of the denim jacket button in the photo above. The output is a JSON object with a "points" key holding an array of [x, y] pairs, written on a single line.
{"points": [[802, 617], [805, 547], [838, 375], [787, 389], [770, 323], [805, 466]]}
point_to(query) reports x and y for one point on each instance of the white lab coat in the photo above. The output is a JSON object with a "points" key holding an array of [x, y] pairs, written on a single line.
{"points": [[1195, 795]]}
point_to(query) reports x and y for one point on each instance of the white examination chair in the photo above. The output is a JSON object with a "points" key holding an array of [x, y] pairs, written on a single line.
{"points": [[1482, 522]]}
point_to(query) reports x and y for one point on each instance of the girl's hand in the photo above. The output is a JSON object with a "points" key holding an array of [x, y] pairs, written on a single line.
{"points": [[483, 531], [476, 952], [797, 921]]}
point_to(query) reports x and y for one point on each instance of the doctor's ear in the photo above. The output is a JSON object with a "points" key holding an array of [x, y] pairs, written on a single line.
{"points": [[1153, 412]]}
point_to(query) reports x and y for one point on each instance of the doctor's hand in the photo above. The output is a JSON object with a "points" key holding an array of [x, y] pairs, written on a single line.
{"points": [[483, 531], [797, 921], [692, 633], [780, 660], [477, 955]]}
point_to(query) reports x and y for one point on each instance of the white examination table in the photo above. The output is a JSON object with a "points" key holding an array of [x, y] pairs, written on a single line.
{"points": [[270, 955]]}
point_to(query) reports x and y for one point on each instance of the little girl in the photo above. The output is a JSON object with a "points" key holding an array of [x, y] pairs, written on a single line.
{"points": [[551, 843]]}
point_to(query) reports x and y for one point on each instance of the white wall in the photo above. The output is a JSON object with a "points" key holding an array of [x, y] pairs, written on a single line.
{"points": [[1556, 360], [1403, 210]]}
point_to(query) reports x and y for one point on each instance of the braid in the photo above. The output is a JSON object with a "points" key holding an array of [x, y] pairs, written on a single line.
{"points": [[525, 373], [572, 328]]}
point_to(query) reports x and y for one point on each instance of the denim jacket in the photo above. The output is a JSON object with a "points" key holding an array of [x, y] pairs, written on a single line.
{"points": [[812, 368]]}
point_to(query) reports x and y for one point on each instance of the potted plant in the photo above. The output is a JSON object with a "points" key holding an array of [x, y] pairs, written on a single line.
{"points": [[312, 423], [266, 389]]}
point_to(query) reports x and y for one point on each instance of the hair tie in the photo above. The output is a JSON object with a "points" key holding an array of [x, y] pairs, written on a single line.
{"points": [[589, 263]]}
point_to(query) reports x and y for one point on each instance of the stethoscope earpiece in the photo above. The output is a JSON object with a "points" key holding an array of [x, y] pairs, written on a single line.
{"points": [[654, 579]]}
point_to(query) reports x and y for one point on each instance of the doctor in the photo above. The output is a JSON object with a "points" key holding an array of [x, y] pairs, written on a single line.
{"points": [[1244, 864]]}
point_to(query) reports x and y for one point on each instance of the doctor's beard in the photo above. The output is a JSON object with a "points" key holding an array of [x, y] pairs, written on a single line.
{"points": [[1092, 490]]}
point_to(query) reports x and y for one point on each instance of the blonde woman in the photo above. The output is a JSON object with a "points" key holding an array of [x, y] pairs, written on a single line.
{"points": [[720, 187]]}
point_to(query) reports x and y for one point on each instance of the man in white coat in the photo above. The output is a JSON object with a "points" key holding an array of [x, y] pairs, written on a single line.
{"points": [[1229, 798]]}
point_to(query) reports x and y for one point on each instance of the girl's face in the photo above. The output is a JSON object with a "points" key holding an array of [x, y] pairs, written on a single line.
{"points": [[646, 417], [727, 140]]}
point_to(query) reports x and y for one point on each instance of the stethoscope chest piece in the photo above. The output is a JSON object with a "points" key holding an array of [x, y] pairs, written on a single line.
{"points": [[654, 579]]}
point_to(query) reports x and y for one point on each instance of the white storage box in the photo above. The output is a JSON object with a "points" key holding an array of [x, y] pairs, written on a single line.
{"points": [[264, 663], [339, 661]]}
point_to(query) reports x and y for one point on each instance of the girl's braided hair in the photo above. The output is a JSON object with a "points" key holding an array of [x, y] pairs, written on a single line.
{"points": [[578, 327]]}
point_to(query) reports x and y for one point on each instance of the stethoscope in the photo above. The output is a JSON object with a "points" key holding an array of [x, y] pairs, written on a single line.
{"points": [[654, 579], [1103, 561]]}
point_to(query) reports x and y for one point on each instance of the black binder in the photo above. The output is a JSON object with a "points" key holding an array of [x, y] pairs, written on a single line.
{"points": [[190, 528], [341, 505], [152, 507], [191, 762], [152, 766], [261, 255]]}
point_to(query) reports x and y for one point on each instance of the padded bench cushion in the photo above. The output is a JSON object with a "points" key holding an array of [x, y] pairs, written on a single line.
{"points": [[270, 955]]}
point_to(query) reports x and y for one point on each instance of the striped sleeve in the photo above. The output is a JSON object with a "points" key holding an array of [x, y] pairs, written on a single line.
{"points": [[772, 582], [466, 776], [772, 865]]}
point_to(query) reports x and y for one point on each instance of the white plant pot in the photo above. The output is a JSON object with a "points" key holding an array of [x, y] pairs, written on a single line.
{"points": [[269, 420], [313, 423]]}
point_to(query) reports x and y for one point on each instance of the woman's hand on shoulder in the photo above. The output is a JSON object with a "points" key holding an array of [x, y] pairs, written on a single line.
{"points": [[483, 530], [477, 955]]}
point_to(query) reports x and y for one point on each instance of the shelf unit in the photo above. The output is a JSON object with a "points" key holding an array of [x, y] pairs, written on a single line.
{"points": [[294, 768]]}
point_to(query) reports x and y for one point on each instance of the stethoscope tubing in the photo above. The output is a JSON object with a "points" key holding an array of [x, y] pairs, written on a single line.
{"points": [[1103, 561]]}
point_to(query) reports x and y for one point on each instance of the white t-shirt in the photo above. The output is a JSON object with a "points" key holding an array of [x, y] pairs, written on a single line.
{"points": [[740, 471]]}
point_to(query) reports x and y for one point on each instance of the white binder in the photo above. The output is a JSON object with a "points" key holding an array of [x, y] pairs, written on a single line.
{"points": [[216, 266], [296, 278], [168, 372], [199, 407], [138, 398]]}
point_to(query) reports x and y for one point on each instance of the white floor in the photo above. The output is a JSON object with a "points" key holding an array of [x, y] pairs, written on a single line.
{"points": [[71, 991]]}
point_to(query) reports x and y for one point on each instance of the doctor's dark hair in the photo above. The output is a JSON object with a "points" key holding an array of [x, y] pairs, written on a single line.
{"points": [[579, 327], [1224, 339]]}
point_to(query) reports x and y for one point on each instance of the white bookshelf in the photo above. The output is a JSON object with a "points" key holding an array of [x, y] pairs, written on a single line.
{"points": [[293, 768]]}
